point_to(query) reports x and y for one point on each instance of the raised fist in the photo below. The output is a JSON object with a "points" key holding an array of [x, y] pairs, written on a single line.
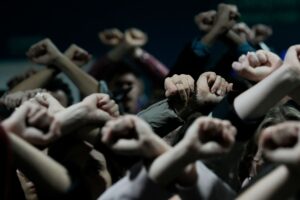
{"points": [[44, 52]]}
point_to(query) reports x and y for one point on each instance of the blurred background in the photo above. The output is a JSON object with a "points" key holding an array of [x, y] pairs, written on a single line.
{"points": [[169, 25]]}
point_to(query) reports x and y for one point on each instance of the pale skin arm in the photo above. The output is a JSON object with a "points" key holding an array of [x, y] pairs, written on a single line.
{"points": [[42, 77], [85, 111], [52, 56], [125, 43], [37, 80], [270, 90], [256, 66], [85, 83], [119, 135], [197, 144], [46, 173], [224, 19], [114, 37], [279, 184]]}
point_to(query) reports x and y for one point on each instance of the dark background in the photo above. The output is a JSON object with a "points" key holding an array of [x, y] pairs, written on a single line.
{"points": [[169, 24]]}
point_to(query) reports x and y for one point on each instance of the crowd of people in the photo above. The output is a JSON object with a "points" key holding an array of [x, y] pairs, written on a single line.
{"points": [[222, 123]]}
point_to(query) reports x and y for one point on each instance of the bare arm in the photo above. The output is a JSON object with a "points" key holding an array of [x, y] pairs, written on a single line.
{"points": [[278, 184], [270, 90], [46, 173], [45, 52]]}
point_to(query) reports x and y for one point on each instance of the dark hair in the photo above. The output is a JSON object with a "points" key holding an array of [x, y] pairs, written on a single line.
{"points": [[58, 84], [123, 68]]}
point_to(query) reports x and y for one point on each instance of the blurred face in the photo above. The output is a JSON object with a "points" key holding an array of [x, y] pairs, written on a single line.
{"points": [[127, 81]]}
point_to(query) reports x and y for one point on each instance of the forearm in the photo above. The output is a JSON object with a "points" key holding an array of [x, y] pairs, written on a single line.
{"points": [[117, 53], [46, 173], [85, 83], [256, 101], [78, 117], [169, 165], [235, 38], [281, 183], [37, 80], [211, 37]]}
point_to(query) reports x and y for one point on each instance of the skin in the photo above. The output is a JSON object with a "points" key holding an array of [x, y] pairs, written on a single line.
{"points": [[279, 144], [180, 90], [124, 82], [272, 89]]}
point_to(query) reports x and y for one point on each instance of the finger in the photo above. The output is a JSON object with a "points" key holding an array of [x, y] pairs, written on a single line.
{"points": [[38, 117], [182, 92], [223, 89], [126, 147], [253, 60], [191, 83], [262, 57], [217, 84], [229, 87], [237, 66], [170, 87], [186, 85]]}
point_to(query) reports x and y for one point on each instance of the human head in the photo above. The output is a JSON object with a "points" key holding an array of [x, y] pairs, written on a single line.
{"points": [[128, 81]]}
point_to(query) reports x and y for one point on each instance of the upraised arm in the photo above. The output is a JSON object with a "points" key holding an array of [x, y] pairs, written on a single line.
{"points": [[47, 174], [45, 52], [76, 54]]}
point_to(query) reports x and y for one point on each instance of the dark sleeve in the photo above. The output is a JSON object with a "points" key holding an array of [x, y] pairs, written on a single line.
{"points": [[192, 60], [161, 118], [244, 49], [225, 110], [293, 104]]}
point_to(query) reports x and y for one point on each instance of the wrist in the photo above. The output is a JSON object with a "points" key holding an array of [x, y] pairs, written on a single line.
{"points": [[290, 73], [59, 59], [234, 38], [7, 125], [185, 153], [72, 118]]}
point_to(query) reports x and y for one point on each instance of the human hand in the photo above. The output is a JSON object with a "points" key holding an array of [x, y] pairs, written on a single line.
{"points": [[27, 121], [226, 17], [292, 60], [205, 20], [261, 33], [77, 55], [44, 52], [211, 88], [103, 102], [111, 37], [130, 135], [256, 66], [281, 143], [208, 137], [15, 99], [179, 88], [134, 37], [243, 31], [48, 101]]}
